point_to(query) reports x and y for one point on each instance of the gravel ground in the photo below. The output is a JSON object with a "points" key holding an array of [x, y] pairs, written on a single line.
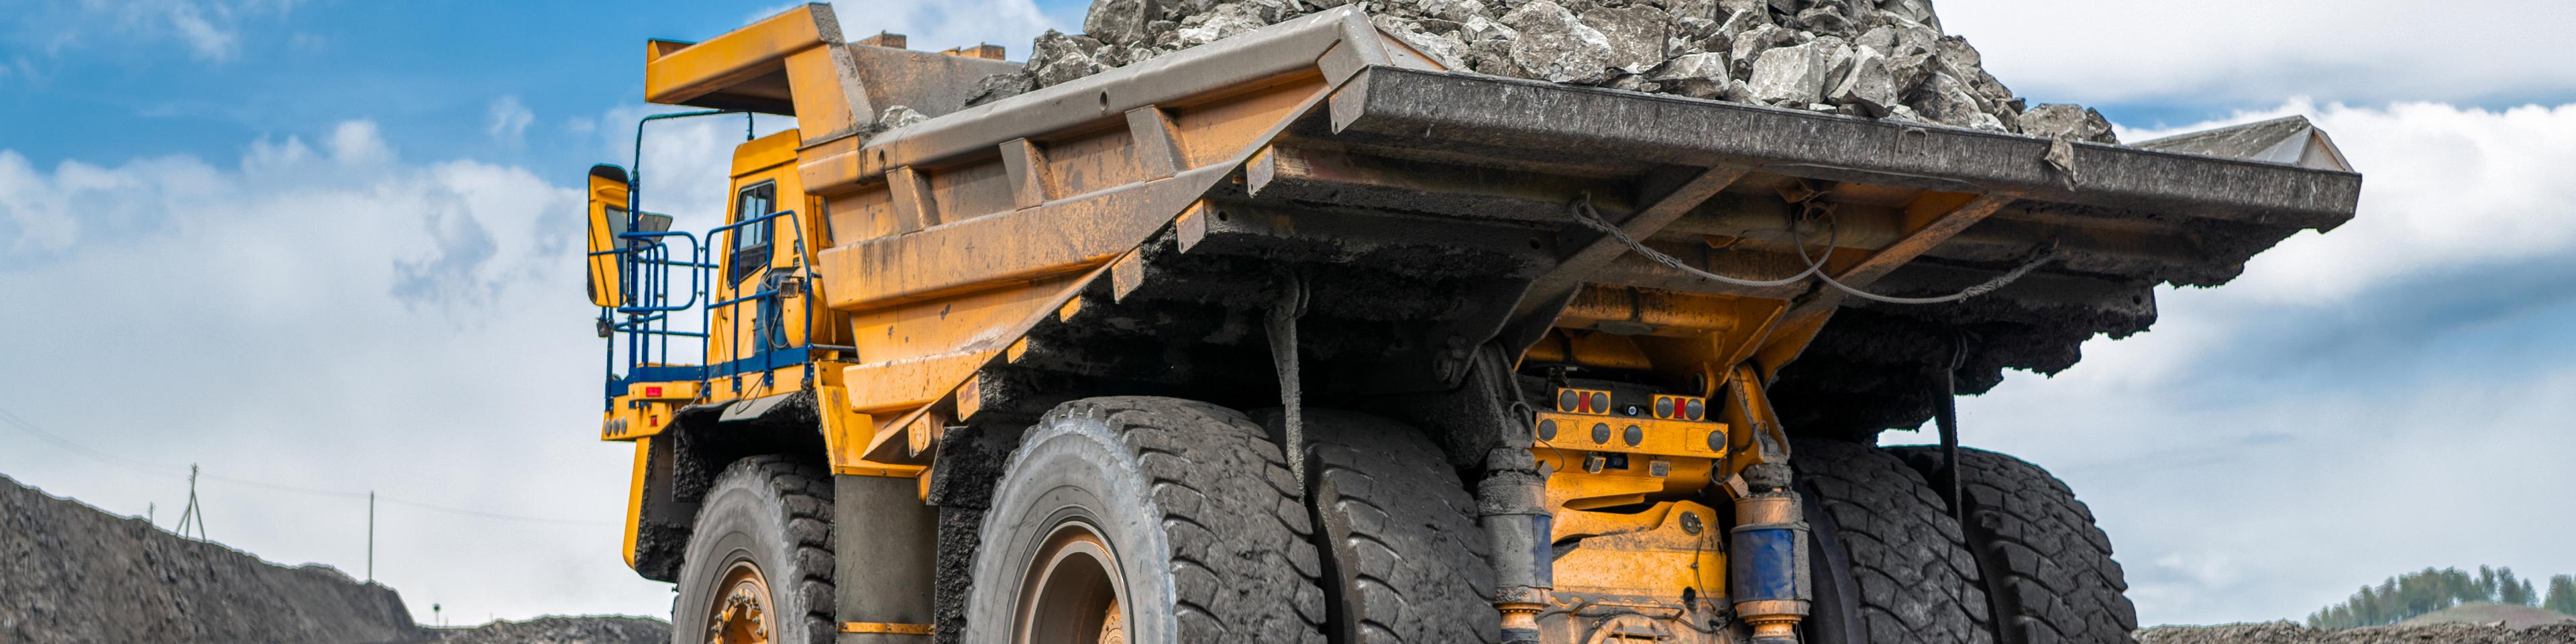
{"points": [[561, 630], [2289, 633]]}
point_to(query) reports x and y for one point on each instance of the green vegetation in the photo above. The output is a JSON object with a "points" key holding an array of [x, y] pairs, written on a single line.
{"points": [[2416, 593], [2562, 595]]}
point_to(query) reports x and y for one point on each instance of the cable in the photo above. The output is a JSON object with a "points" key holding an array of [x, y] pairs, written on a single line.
{"points": [[1583, 212], [156, 469]]}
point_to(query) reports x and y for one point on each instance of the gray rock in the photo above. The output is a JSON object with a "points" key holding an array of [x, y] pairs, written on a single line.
{"points": [[1000, 86], [1736, 92], [1750, 45], [2059, 120], [1636, 34], [1794, 74], [1226, 20], [1556, 47], [1118, 21], [1915, 12], [1826, 20], [1693, 75], [1443, 48], [1867, 85], [898, 116], [1882, 39], [1056, 57], [1945, 100]]}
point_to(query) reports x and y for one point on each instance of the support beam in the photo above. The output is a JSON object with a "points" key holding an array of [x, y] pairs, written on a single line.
{"points": [[1941, 216], [1539, 303]]}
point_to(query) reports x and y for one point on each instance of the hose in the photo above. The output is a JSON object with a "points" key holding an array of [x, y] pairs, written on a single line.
{"points": [[1583, 212]]}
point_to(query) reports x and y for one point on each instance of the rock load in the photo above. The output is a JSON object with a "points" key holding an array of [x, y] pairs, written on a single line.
{"points": [[1866, 58]]}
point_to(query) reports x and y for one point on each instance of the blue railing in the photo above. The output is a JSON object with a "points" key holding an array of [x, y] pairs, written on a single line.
{"points": [[644, 322]]}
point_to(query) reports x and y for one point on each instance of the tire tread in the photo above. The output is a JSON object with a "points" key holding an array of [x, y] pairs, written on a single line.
{"points": [[1916, 582], [2053, 578]]}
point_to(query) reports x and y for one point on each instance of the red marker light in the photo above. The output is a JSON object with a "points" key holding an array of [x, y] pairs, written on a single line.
{"points": [[653, 391]]}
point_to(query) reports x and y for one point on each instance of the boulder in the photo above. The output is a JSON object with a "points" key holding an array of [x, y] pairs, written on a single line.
{"points": [[1794, 74], [1057, 57], [1636, 34], [1694, 75], [2076, 122], [1556, 47], [1867, 85]]}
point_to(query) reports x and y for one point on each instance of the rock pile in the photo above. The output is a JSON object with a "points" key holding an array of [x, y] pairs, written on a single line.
{"points": [[1868, 58], [606, 629], [2288, 633], [71, 573]]}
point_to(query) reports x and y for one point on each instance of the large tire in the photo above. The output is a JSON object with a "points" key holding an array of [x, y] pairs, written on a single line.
{"points": [[1891, 566], [1207, 535], [2048, 569], [774, 515], [1404, 561]]}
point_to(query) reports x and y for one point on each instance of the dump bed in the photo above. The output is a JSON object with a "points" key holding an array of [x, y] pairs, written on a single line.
{"points": [[1135, 226]]}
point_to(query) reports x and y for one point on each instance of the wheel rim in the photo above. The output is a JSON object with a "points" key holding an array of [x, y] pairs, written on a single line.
{"points": [[1072, 594], [740, 610]]}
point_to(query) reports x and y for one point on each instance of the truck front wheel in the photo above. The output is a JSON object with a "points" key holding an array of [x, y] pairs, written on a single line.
{"points": [[758, 568], [1146, 520]]}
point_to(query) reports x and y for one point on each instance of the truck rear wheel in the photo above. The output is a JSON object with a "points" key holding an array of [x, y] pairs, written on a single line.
{"points": [[758, 567], [1890, 564], [2048, 568], [1404, 561], [1147, 520]]}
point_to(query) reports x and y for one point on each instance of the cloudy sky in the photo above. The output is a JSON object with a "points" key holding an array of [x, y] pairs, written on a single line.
{"points": [[325, 247]]}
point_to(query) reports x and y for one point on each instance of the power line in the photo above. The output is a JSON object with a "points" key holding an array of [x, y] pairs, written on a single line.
{"points": [[171, 471]]}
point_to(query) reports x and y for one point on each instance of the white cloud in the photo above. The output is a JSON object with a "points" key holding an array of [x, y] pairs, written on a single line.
{"points": [[932, 25], [335, 317], [210, 29], [510, 120], [2247, 453], [2234, 52], [209, 41]]}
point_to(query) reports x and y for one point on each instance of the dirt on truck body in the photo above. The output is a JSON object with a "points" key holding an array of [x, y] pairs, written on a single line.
{"points": [[1304, 335]]}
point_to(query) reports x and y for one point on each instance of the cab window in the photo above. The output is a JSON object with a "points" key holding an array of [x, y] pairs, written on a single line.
{"points": [[751, 244]]}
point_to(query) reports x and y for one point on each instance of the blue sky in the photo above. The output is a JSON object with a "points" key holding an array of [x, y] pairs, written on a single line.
{"points": [[329, 245]]}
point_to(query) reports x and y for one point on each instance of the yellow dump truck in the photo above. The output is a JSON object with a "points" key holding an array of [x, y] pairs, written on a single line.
{"points": [[1299, 337]]}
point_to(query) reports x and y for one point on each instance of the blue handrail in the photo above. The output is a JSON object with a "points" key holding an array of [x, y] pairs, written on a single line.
{"points": [[647, 313]]}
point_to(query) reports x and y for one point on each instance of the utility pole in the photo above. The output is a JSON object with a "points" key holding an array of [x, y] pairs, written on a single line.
{"points": [[371, 536], [193, 515]]}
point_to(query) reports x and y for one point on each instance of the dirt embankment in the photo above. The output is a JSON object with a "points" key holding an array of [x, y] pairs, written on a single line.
{"points": [[2288, 633], [71, 573]]}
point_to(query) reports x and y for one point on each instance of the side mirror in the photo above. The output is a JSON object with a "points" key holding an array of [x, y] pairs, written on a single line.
{"points": [[608, 219]]}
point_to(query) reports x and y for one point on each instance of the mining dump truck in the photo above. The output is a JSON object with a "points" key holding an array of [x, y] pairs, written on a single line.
{"points": [[1299, 337]]}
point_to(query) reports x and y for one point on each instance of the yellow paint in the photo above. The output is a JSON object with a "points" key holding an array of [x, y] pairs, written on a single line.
{"points": [[607, 201]]}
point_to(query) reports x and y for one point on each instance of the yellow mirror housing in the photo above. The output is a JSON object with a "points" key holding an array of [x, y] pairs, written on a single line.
{"points": [[608, 219]]}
